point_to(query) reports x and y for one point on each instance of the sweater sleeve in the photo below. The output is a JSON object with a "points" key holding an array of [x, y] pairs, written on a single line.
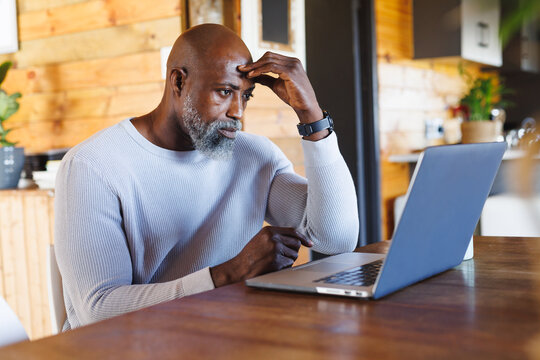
{"points": [[93, 255], [323, 206]]}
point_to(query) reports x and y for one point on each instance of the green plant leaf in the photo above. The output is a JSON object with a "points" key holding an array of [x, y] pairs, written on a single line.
{"points": [[8, 105], [3, 70], [6, 143], [4, 104], [525, 11], [3, 140], [484, 94]]}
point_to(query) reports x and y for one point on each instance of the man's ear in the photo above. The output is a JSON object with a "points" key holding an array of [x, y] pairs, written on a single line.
{"points": [[178, 78]]}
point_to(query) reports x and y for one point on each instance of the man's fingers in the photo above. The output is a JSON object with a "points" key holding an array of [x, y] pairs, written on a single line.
{"points": [[267, 58], [263, 62], [287, 251], [281, 70], [289, 241], [294, 233], [265, 80]]}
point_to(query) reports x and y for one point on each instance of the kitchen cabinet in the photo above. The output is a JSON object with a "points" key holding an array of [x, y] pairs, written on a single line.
{"points": [[466, 29]]}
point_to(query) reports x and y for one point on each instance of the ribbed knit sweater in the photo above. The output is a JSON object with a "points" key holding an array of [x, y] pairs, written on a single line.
{"points": [[136, 224]]}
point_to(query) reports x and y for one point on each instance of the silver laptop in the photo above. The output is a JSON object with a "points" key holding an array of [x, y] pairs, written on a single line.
{"points": [[445, 198]]}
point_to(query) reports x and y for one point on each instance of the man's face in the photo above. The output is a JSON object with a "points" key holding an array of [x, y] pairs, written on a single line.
{"points": [[213, 105]]}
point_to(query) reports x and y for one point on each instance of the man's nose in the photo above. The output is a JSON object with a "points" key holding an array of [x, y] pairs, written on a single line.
{"points": [[236, 108]]}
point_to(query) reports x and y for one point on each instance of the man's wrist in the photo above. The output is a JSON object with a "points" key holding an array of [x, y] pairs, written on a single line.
{"points": [[310, 116], [318, 129], [317, 136], [221, 275]]}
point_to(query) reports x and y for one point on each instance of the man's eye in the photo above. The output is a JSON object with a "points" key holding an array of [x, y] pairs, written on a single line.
{"points": [[225, 92], [248, 96]]}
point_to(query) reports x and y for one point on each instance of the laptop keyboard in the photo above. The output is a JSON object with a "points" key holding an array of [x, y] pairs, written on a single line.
{"points": [[364, 275]]}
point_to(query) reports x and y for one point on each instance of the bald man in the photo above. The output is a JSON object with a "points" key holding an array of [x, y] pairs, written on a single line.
{"points": [[172, 203]]}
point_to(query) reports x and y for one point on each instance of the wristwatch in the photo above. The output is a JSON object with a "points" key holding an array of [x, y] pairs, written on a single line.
{"points": [[320, 125]]}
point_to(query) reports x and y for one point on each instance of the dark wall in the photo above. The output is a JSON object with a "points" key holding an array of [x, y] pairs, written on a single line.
{"points": [[525, 98], [341, 64]]}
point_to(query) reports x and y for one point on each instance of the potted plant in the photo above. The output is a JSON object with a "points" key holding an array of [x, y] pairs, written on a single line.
{"points": [[11, 157], [477, 106]]}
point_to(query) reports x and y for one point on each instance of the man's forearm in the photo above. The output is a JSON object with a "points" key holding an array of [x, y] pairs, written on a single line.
{"points": [[324, 208], [100, 304]]}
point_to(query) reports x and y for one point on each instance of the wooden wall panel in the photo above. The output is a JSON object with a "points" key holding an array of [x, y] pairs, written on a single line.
{"points": [[8, 255], [63, 134], [121, 70], [34, 272], [25, 233], [83, 65], [394, 29], [271, 122], [395, 183], [91, 15], [267, 115], [24, 6], [97, 44], [87, 103], [114, 88]]}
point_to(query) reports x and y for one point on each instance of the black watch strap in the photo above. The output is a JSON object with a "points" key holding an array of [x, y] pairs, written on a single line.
{"points": [[323, 124]]}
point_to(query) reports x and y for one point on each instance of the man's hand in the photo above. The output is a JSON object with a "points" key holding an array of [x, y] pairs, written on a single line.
{"points": [[273, 248], [292, 84]]}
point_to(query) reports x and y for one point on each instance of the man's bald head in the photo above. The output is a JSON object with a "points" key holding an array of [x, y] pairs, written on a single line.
{"points": [[202, 45]]}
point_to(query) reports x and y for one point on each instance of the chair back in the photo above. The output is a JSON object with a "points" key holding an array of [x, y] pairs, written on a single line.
{"points": [[11, 329], [57, 307]]}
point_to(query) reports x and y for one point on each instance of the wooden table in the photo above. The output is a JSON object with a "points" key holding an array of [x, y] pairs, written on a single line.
{"points": [[488, 307]]}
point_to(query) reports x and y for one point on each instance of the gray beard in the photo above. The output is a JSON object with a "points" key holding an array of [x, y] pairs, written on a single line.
{"points": [[205, 136]]}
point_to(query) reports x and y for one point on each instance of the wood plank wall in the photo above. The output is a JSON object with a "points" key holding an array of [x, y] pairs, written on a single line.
{"points": [[84, 65]]}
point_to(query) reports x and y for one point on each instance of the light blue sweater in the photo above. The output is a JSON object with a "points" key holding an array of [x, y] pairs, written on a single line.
{"points": [[137, 224]]}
